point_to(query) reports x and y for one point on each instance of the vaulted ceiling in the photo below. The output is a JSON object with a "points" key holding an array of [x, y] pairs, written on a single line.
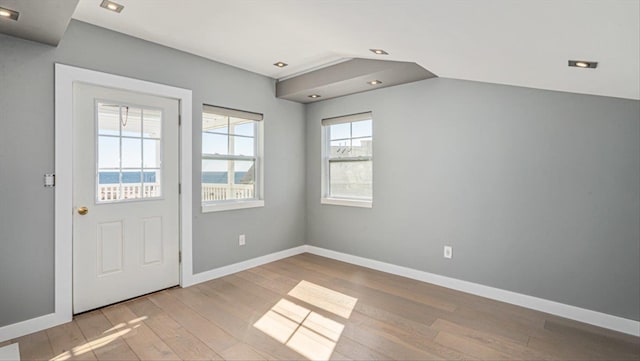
{"points": [[516, 42]]}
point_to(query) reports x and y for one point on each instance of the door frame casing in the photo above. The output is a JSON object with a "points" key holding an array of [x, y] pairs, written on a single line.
{"points": [[65, 77]]}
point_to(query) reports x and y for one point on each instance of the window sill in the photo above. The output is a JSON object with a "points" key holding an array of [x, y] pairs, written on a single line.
{"points": [[229, 206], [347, 202]]}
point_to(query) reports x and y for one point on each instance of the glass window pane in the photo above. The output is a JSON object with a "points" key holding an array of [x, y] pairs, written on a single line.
{"points": [[151, 153], [215, 144], [215, 175], [351, 179], [215, 123], [131, 153], [362, 129], [108, 185], [108, 119], [108, 152], [242, 145], [361, 147], [226, 180], [152, 123], [340, 148], [247, 129], [151, 183], [244, 179], [109, 176], [131, 121], [131, 176], [340, 131]]}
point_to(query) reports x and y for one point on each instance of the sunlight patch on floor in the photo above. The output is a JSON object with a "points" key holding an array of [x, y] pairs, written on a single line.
{"points": [[322, 297], [310, 334], [102, 341]]}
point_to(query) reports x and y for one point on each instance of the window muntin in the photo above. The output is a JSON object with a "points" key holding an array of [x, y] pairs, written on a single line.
{"points": [[128, 153], [230, 155], [348, 160]]}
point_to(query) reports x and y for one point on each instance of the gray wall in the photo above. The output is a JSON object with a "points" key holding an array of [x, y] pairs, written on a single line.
{"points": [[27, 145], [538, 192]]}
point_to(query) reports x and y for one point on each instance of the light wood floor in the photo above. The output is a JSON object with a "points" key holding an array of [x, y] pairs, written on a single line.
{"points": [[309, 307]]}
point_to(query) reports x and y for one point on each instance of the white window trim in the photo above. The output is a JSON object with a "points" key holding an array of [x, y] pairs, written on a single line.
{"points": [[258, 201], [347, 202], [231, 205], [324, 172]]}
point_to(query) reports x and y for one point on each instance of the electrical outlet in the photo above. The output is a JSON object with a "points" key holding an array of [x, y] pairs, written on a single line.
{"points": [[448, 252], [241, 240]]}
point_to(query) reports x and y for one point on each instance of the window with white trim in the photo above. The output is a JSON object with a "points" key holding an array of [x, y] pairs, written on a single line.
{"points": [[347, 166], [231, 159]]}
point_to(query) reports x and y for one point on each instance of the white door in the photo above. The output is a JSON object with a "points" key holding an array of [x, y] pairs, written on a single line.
{"points": [[125, 194]]}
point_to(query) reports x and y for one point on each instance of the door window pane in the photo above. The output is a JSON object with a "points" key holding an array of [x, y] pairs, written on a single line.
{"points": [[129, 166], [108, 152], [152, 123], [131, 153], [151, 183], [108, 119], [151, 153], [131, 121]]}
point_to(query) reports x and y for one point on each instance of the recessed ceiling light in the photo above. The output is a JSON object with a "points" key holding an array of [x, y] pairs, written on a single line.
{"points": [[374, 82], [583, 64], [110, 5], [378, 51], [314, 96], [280, 64], [9, 14]]}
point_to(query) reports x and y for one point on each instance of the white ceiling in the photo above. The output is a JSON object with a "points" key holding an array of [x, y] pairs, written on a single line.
{"points": [[516, 42]]}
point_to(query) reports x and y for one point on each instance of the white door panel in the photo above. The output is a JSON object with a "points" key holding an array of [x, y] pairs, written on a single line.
{"points": [[125, 172]]}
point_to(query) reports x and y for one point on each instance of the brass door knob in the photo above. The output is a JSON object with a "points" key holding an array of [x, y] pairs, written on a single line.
{"points": [[83, 210]]}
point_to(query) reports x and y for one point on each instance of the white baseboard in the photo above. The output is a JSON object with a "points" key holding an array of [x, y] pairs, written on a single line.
{"points": [[10, 352], [244, 265], [595, 318], [19, 329], [559, 309]]}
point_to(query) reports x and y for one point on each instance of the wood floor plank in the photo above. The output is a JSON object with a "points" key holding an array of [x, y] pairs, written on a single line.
{"points": [[470, 347], [402, 307], [142, 340], [35, 346], [68, 342], [179, 339], [496, 342], [210, 334], [367, 279], [239, 324], [241, 351], [310, 307], [603, 338], [451, 297], [103, 339], [412, 333]]}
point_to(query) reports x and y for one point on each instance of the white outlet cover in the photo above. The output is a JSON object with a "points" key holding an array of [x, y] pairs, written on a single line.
{"points": [[241, 240], [448, 252]]}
